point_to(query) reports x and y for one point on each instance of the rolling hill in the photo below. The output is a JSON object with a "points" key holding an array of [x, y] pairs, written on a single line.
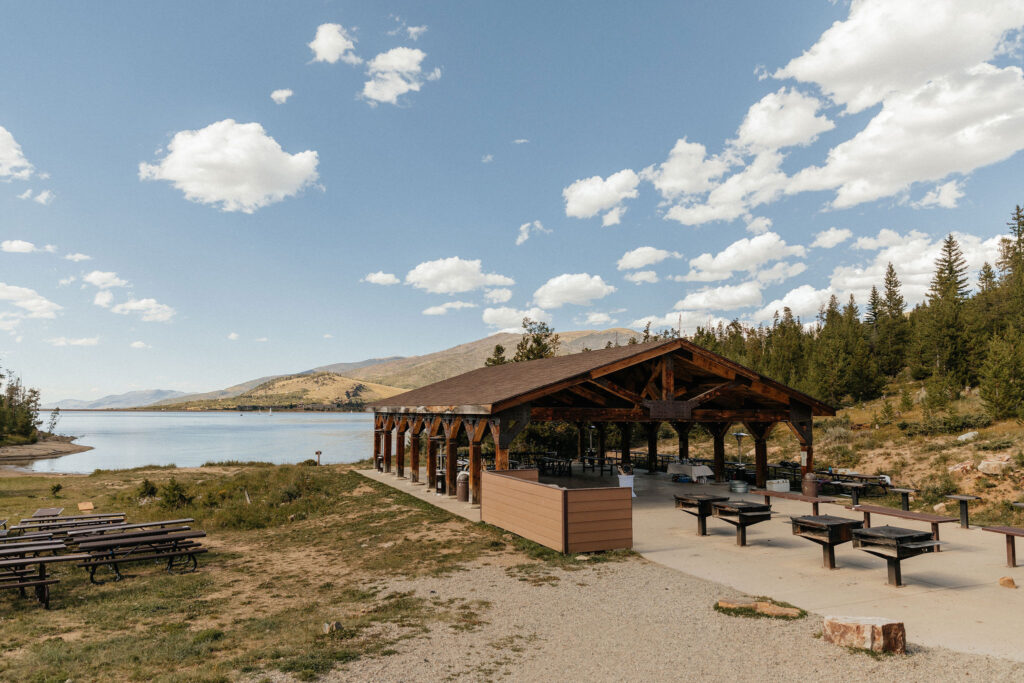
{"points": [[319, 389], [114, 401]]}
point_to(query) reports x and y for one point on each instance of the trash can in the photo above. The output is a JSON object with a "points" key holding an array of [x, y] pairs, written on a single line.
{"points": [[462, 487], [810, 485], [439, 477]]}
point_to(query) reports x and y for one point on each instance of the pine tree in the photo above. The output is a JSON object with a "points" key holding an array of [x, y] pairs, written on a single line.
{"points": [[947, 348], [497, 356], [874, 307], [829, 358], [539, 341], [1002, 377], [893, 328]]}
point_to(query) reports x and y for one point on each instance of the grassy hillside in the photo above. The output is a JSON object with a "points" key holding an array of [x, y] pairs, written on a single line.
{"points": [[321, 389], [417, 371]]}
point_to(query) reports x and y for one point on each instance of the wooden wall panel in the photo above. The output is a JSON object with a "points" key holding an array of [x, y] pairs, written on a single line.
{"points": [[524, 507], [599, 519]]}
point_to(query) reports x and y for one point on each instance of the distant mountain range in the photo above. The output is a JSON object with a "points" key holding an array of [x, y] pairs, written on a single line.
{"points": [[381, 377]]}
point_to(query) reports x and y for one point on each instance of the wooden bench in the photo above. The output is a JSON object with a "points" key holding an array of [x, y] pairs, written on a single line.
{"points": [[16, 567], [1011, 534], [933, 520], [792, 495], [22, 538], [116, 549], [107, 528]]}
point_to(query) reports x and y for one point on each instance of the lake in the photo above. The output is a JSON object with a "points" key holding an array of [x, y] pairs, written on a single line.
{"points": [[121, 440]]}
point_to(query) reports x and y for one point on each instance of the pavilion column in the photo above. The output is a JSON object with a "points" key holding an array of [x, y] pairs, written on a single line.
{"points": [[580, 427], [760, 432], [602, 439], [414, 455], [451, 452], [432, 443], [718, 431], [804, 431], [474, 471], [500, 454], [683, 433], [625, 437], [387, 449], [376, 449], [400, 450], [652, 447]]}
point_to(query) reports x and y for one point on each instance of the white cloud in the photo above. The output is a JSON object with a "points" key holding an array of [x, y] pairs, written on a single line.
{"points": [[394, 73], [13, 164], [27, 194], [104, 279], [639, 277], [453, 276], [64, 282], [645, 256], [780, 272], [328, 336], [149, 309], [528, 228], [946, 196], [447, 306], [687, 171], [233, 336], [29, 300], [747, 254], [333, 42], [235, 166], [76, 257], [81, 341], [885, 238], [728, 298], [17, 247], [281, 96], [103, 298], [759, 182], [497, 296], [804, 302], [588, 197], [782, 119], [260, 340], [381, 278], [826, 239], [414, 32], [571, 288], [686, 321], [511, 319], [140, 345], [487, 158], [50, 248], [520, 141], [598, 318], [44, 197], [759, 225]]}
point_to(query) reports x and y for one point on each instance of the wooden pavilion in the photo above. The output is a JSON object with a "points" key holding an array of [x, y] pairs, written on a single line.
{"points": [[672, 381]]}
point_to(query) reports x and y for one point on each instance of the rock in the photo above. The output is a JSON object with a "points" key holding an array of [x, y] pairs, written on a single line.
{"points": [[291, 518], [331, 627], [582, 558], [737, 604], [773, 610], [969, 436], [867, 633], [994, 467], [961, 467], [940, 508], [1007, 582]]}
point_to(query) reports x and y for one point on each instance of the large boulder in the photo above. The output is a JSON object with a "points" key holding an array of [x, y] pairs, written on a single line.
{"points": [[993, 467], [866, 633]]}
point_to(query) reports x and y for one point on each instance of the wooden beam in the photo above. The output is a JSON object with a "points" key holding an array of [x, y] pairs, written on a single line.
{"points": [[550, 414], [683, 433], [718, 431], [760, 432], [668, 379], [620, 391], [652, 446], [583, 392]]}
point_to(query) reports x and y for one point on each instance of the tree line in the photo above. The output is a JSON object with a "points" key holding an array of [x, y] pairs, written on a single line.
{"points": [[19, 410]]}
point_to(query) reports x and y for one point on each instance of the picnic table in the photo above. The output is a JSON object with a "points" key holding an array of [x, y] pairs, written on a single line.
{"points": [[854, 487], [1011, 534], [47, 512], [741, 514], [933, 520], [176, 546], [102, 529], [593, 462], [63, 524], [893, 544], [792, 495], [904, 496], [555, 466], [16, 567], [837, 478], [963, 500], [699, 505], [826, 530]]}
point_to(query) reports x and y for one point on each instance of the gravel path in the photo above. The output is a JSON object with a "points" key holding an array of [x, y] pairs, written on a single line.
{"points": [[636, 621]]}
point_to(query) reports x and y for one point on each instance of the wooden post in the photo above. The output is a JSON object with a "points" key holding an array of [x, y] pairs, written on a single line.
{"points": [[718, 431], [802, 424], [387, 449], [474, 472], [414, 456], [500, 454], [376, 442], [451, 452], [400, 449], [652, 447], [432, 463], [602, 440], [580, 427], [683, 432], [625, 438], [760, 432]]}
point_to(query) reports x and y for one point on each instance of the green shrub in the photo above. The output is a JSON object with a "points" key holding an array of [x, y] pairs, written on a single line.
{"points": [[936, 487], [173, 495], [55, 489], [147, 489]]}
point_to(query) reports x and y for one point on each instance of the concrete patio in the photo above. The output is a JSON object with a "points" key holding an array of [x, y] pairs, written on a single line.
{"points": [[950, 599]]}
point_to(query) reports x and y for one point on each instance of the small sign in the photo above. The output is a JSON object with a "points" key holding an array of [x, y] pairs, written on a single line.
{"points": [[803, 458]]}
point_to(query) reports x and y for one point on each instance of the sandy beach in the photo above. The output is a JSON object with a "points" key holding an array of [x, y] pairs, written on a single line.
{"points": [[53, 447]]}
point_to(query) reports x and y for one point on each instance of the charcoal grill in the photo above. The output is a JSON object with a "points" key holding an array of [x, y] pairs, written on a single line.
{"points": [[827, 531], [893, 544], [699, 505], [741, 514]]}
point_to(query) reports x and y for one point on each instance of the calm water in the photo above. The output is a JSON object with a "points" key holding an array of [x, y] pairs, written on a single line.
{"points": [[131, 439]]}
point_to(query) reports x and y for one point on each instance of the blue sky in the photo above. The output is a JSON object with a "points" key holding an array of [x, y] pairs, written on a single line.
{"points": [[439, 170]]}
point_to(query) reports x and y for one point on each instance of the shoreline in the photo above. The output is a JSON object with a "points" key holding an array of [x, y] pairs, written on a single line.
{"points": [[41, 450]]}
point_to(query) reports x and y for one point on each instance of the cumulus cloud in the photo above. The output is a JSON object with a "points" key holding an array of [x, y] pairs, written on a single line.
{"points": [[728, 298], [639, 277], [13, 164], [381, 278], [520, 141], [826, 239], [946, 196], [508, 319], [235, 166], [497, 296], [780, 272], [805, 301], [687, 171], [36, 305], [65, 281], [571, 288], [487, 158], [281, 96], [598, 318], [140, 345], [747, 254], [233, 336], [685, 321], [81, 341], [645, 256], [447, 306], [394, 73], [333, 42], [782, 119], [17, 247], [588, 197], [44, 197], [759, 182], [759, 225], [530, 228], [148, 309], [103, 298], [453, 276], [76, 257], [104, 279]]}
